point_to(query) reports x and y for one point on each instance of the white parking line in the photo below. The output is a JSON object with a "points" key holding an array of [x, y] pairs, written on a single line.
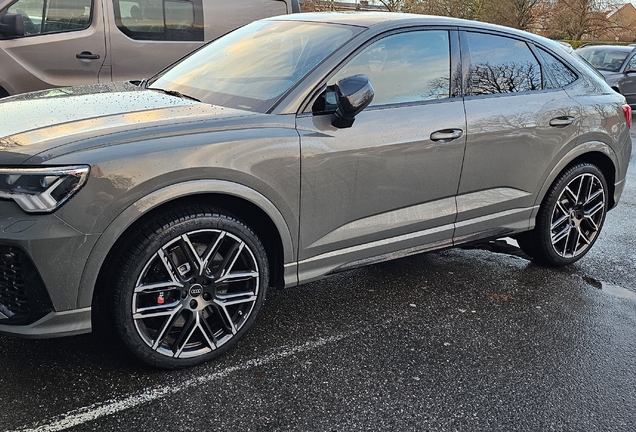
{"points": [[85, 414]]}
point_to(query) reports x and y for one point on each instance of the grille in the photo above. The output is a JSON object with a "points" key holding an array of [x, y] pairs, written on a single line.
{"points": [[23, 298]]}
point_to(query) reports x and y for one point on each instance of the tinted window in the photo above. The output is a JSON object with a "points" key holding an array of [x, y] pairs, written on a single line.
{"points": [[557, 74], [405, 67], [58, 16], [500, 65], [178, 20]]}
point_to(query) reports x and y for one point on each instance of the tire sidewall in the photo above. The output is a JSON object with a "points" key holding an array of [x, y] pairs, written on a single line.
{"points": [[544, 218]]}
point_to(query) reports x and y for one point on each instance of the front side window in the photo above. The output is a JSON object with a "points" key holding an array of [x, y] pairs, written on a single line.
{"points": [[53, 16], [499, 64], [404, 67], [168, 20]]}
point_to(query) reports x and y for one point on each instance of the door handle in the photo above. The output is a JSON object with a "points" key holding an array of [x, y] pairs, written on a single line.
{"points": [[561, 121], [87, 55], [446, 135]]}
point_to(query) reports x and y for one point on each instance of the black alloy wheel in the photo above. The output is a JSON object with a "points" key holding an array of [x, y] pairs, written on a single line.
{"points": [[190, 286], [570, 218]]}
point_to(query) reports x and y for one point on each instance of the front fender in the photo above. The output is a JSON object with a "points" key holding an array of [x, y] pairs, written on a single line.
{"points": [[162, 196]]}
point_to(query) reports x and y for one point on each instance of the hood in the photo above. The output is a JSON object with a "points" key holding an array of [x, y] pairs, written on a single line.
{"points": [[38, 122]]}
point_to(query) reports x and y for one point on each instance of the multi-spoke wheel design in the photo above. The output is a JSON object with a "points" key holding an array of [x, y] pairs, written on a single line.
{"points": [[193, 290], [578, 215], [195, 293], [570, 218]]}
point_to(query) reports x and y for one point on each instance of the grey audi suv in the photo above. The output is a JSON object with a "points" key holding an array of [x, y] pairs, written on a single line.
{"points": [[288, 150]]}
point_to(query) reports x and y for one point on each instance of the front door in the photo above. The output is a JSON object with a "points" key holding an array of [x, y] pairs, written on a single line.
{"points": [[627, 83], [387, 184]]}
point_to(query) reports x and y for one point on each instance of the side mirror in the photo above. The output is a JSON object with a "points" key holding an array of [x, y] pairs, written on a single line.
{"points": [[12, 25], [353, 94]]}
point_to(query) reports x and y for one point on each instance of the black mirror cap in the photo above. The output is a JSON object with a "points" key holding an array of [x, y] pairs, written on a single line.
{"points": [[12, 25], [353, 94]]}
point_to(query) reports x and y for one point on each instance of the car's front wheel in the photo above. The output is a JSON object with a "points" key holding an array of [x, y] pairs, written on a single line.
{"points": [[570, 217], [190, 284]]}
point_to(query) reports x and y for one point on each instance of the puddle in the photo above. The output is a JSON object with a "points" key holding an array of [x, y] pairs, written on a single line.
{"points": [[615, 290]]}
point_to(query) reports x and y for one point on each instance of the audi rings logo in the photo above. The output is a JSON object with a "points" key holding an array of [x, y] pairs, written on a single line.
{"points": [[196, 290]]}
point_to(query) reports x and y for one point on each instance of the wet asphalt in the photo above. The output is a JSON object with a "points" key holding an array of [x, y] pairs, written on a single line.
{"points": [[464, 339]]}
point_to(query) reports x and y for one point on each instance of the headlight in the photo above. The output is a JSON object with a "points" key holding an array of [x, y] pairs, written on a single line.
{"points": [[41, 190]]}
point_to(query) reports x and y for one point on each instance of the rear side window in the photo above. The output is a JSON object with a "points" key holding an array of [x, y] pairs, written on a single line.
{"points": [[499, 64], [557, 74], [53, 16], [166, 20]]}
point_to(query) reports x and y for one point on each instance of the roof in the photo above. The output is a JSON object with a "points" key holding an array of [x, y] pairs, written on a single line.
{"points": [[371, 19]]}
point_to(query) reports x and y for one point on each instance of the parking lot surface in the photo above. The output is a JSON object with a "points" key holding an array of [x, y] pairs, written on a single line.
{"points": [[464, 339]]}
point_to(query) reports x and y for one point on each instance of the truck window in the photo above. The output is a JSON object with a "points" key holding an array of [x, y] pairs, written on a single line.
{"points": [[166, 20], [53, 16]]}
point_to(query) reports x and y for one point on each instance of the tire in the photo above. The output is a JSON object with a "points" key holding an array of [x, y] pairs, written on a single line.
{"points": [[570, 218], [189, 285]]}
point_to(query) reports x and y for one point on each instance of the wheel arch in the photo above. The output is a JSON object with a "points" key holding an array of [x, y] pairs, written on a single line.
{"points": [[244, 203], [3, 92], [596, 153]]}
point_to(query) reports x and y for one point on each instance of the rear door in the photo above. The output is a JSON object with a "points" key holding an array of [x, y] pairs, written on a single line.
{"points": [[519, 120], [64, 45]]}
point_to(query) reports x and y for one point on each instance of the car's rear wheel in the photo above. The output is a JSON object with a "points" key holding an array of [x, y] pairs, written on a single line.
{"points": [[570, 217], [189, 286]]}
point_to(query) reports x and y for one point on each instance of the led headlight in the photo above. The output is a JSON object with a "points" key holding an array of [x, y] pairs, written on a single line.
{"points": [[41, 190]]}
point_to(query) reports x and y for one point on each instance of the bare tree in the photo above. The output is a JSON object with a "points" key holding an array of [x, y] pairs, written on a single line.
{"points": [[392, 5], [520, 14], [573, 19]]}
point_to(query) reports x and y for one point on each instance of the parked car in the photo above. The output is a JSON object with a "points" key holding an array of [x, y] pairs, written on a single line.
{"points": [[56, 43], [617, 64], [288, 150]]}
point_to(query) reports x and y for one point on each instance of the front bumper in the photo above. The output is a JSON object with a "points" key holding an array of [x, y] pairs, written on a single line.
{"points": [[42, 259]]}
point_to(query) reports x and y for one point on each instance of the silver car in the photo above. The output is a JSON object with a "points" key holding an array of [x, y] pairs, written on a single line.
{"points": [[288, 150], [617, 64]]}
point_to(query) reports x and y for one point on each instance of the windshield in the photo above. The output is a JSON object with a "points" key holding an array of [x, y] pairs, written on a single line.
{"points": [[253, 66], [603, 58]]}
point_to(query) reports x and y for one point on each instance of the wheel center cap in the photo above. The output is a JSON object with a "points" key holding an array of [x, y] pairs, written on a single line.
{"points": [[196, 290]]}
